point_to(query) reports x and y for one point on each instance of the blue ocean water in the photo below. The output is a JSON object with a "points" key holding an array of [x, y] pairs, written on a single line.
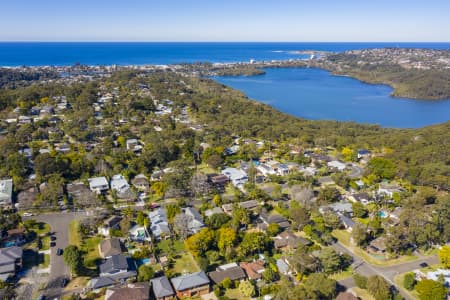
{"points": [[101, 53], [318, 95]]}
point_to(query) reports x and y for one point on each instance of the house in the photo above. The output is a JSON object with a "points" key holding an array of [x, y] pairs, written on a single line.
{"points": [[265, 169], [346, 296], [139, 233], [363, 153], [289, 239], [364, 198], [249, 205], [440, 273], [273, 219], [24, 120], [141, 183], [231, 271], [118, 267], [26, 198], [6, 188], [378, 245], [133, 145], [135, 291], [344, 208], [336, 165], [253, 269], [232, 150], [283, 266], [237, 176], [159, 223], [195, 219], [161, 288], [98, 185], [10, 261], [78, 191], [110, 247], [308, 171], [213, 211], [219, 181], [191, 285], [326, 180], [282, 169], [120, 185], [347, 222], [111, 223], [388, 189]]}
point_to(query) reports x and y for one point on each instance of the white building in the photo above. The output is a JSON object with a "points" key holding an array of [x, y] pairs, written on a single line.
{"points": [[335, 164], [237, 176], [6, 192], [119, 184], [98, 184]]}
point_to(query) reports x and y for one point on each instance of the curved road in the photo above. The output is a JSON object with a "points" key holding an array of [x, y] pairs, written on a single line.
{"points": [[59, 224], [388, 272]]}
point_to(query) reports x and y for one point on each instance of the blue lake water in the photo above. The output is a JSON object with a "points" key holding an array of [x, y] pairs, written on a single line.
{"points": [[101, 53], [316, 94]]}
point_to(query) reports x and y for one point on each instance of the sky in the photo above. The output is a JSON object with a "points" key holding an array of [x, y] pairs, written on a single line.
{"points": [[226, 20]]}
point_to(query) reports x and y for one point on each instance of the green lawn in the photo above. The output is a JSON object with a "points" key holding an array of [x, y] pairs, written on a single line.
{"points": [[74, 234], [399, 282], [344, 237], [235, 294], [175, 245], [363, 294], [91, 252], [185, 263], [343, 275], [45, 243]]}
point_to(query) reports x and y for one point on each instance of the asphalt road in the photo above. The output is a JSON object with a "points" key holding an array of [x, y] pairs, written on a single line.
{"points": [[388, 272], [59, 224]]}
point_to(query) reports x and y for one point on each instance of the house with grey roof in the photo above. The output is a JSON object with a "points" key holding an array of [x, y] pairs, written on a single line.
{"points": [[213, 211], [135, 291], [159, 223], [119, 267], [195, 219], [191, 285], [98, 185], [6, 188], [161, 288], [112, 222], [237, 177], [268, 219], [110, 247], [231, 271], [10, 261]]}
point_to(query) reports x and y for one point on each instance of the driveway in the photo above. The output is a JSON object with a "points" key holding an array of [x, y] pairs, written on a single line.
{"points": [[59, 224], [388, 272]]}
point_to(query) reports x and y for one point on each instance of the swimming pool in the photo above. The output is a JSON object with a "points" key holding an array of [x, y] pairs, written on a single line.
{"points": [[383, 214]]}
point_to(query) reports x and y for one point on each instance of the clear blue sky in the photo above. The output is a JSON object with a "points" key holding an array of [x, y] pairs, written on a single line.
{"points": [[226, 20]]}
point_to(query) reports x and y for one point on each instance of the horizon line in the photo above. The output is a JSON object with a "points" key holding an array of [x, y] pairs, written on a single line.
{"points": [[200, 41]]}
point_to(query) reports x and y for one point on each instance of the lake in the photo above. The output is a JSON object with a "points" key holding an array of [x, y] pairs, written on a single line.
{"points": [[318, 95]]}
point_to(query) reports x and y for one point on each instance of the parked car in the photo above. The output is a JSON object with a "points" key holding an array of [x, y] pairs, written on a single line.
{"points": [[64, 282], [59, 252], [52, 244], [53, 238]]}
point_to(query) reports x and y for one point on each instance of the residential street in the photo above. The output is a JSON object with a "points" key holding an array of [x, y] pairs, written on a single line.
{"points": [[388, 273], [59, 224]]}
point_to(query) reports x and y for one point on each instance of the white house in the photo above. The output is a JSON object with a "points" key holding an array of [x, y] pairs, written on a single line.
{"points": [[6, 187], [335, 164], [119, 184], [98, 184], [237, 176], [266, 169]]}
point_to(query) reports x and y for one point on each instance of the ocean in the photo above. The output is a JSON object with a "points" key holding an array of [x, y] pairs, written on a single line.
{"points": [[308, 93], [127, 53]]}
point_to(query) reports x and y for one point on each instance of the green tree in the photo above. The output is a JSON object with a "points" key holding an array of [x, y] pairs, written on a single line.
{"points": [[318, 286], [273, 229], [247, 288], [360, 281], [379, 288], [330, 260], [431, 290], [200, 242], [382, 168], [145, 273], [444, 256], [359, 210], [359, 234], [409, 281], [328, 195], [254, 242], [226, 239], [73, 258]]}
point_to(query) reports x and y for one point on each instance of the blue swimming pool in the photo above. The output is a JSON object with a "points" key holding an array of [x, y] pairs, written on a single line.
{"points": [[383, 214]]}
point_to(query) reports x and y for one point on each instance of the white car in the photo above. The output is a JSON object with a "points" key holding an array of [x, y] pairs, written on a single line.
{"points": [[27, 214]]}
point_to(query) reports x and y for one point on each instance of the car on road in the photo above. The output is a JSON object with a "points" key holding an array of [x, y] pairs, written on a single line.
{"points": [[52, 244], [423, 265], [59, 252], [53, 238], [41, 297], [64, 282], [27, 214]]}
